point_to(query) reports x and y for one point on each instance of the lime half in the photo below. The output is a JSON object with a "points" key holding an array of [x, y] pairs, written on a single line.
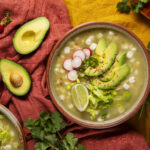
{"points": [[80, 96]]}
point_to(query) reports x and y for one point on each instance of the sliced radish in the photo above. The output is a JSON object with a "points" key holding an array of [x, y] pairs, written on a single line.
{"points": [[68, 64], [80, 54], [87, 52], [72, 75], [76, 62]]}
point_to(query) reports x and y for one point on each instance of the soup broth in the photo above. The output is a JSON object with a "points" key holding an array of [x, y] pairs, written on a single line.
{"points": [[125, 94], [9, 137]]}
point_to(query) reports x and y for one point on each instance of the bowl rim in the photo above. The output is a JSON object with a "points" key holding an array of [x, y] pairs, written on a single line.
{"points": [[16, 124], [91, 125]]}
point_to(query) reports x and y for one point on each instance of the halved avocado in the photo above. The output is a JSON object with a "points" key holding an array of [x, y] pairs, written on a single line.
{"points": [[30, 35], [15, 77]]}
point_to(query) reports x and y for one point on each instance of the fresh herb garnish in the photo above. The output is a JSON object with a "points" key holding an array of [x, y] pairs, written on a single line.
{"points": [[45, 131], [148, 47], [136, 6], [123, 7], [89, 62], [6, 20], [104, 114]]}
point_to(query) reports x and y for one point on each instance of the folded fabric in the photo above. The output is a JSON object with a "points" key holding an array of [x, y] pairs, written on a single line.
{"points": [[104, 10], [117, 138]]}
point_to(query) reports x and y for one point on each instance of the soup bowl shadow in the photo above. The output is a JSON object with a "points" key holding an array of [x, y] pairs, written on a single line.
{"points": [[56, 49], [16, 124]]}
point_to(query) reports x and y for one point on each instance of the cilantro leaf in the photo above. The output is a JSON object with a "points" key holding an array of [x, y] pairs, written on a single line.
{"points": [[58, 123], [136, 6], [45, 132], [148, 47], [69, 143], [81, 147], [41, 146], [123, 7]]}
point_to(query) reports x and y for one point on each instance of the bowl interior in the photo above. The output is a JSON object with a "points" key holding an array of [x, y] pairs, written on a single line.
{"points": [[16, 124], [55, 52]]}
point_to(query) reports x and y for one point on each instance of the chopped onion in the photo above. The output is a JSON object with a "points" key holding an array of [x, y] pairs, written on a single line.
{"points": [[72, 75]]}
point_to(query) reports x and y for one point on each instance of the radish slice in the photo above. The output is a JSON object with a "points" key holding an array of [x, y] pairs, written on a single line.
{"points": [[80, 54], [87, 52], [72, 75], [68, 64], [76, 62]]}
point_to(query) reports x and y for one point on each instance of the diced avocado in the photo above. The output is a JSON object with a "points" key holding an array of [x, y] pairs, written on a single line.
{"points": [[119, 75], [101, 47], [120, 60], [15, 77], [109, 56], [30, 35]]}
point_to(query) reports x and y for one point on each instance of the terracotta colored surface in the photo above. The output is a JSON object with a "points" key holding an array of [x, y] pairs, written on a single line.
{"points": [[118, 138]]}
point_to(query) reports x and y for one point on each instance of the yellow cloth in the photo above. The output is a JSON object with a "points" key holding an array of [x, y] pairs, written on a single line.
{"points": [[82, 11]]}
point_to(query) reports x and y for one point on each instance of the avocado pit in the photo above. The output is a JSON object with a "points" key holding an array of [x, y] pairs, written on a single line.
{"points": [[16, 79]]}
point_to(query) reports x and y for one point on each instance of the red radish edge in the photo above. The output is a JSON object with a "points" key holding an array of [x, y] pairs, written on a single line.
{"points": [[90, 52], [69, 78], [75, 65], [70, 64], [81, 52]]}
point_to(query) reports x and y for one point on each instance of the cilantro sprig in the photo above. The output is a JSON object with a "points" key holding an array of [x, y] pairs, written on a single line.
{"points": [[148, 47], [124, 7], [45, 132], [6, 20]]}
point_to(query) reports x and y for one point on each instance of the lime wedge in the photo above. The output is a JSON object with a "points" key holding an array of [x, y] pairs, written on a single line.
{"points": [[80, 96]]}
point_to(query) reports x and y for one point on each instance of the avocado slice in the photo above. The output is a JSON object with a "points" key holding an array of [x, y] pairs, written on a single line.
{"points": [[30, 35], [109, 56], [120, 60], [120, 74], [15, 77], [101, 46]]}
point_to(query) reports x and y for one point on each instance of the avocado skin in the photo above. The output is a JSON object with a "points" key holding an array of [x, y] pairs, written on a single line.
{"points": [[4, 78], [110, 55], [120, 60], [119, 75], [29, 23]]}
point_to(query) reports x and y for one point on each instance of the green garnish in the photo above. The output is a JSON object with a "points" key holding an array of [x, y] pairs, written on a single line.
{"points": [[45, 131], [104, 114], [123, 7], [6, 19], [89, 62], [148, 47], [136, 6], [4, 136]]}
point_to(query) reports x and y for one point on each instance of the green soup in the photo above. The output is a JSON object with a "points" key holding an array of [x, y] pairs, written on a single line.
{"points": [[9, 137], [124, 95]]}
